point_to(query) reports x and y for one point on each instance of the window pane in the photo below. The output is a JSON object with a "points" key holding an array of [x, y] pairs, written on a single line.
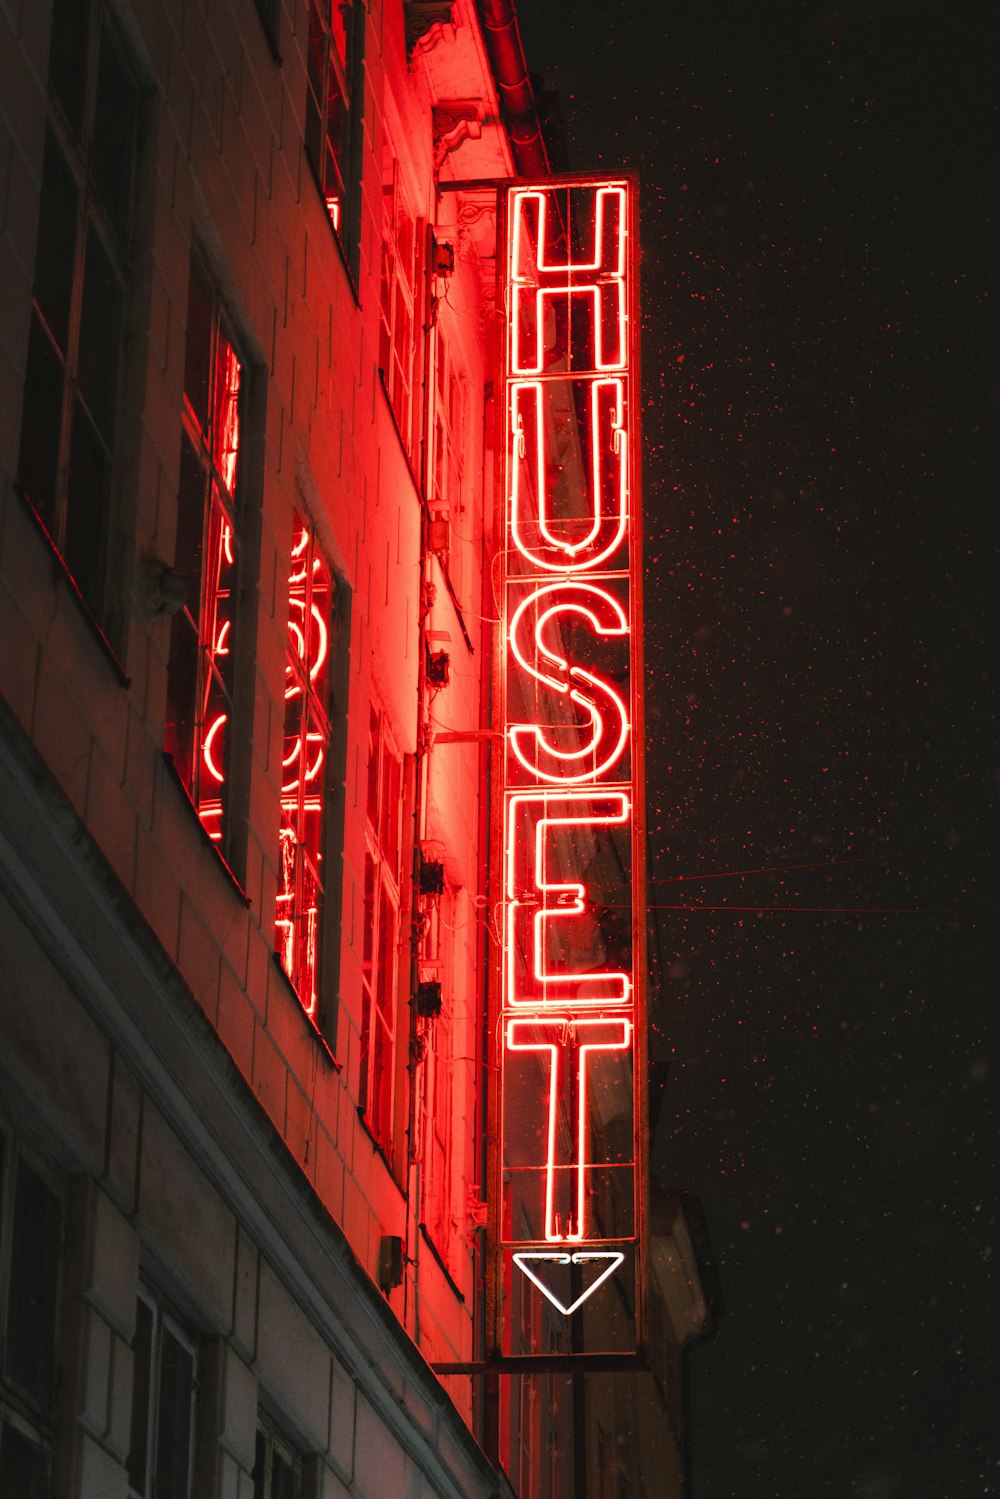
{"points": [[318, 628], [220, 592], [198, 349], [380, 1110], [300, 884], [182, 687], [404, 248], [202, 650], [386, 956], [307, 958], [316, 58], [291, 760], [283, 1484], [338, 33], [391, 813], [190, 525], [22, 1465], [142, 1345], [173, 1426], [373, 749], [385, 304], [67, 53], [310, 831], [260, 1467], [284, 919], [226, 415], [100, 332], [369, 922], [336, 130], [40, 423], [56, 242], [114, 133], [31, 1306], [213, 771], [87, 500]]}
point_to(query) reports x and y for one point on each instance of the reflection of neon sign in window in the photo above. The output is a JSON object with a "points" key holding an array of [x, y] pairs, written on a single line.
{"points": [[303, 765], [570, 972], [200, 674]]}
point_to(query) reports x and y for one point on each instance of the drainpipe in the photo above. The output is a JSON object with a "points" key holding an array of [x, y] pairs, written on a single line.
{"points": [[414, 1068], [517, 99]]}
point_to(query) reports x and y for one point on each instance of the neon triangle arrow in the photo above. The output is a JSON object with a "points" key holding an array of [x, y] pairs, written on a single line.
{"points": [[580, 1258]]}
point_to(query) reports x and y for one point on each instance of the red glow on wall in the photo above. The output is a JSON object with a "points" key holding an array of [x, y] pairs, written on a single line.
{"points": [[570, 932]]}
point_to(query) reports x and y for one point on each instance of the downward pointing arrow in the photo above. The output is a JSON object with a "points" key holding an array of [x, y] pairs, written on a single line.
{"points": [[581, 1257]]}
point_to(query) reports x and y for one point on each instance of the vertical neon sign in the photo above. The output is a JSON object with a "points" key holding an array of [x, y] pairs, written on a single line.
{"points": [[567, 1169]]}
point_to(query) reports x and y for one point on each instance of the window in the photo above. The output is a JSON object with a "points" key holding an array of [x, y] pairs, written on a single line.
{"points": [[449, 433], [71, 392], [200, 673], [447, 481], [30, 1242], [305, 764], [328, 102], [399, 313], [380, 956], [436, 966], [23, 1460], [277, 1472], [164, 1372]]}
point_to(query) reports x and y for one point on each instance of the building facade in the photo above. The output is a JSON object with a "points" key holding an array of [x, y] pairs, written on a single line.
{"points": [[247, 351]]}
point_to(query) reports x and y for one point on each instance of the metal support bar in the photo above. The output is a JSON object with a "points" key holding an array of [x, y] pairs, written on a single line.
{"points": [[471, 184], [466, 736]]}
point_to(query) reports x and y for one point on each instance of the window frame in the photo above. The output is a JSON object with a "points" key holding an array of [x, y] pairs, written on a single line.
{"points": [[274, 1444], [402, 298], [80, 367], [213, 524], [162, 1319], [343, 72], [317, 711], [33, 1417], [437, 1040], [449, 421], [385, 865]]}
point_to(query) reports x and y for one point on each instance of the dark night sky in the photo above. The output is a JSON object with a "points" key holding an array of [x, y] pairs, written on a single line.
{"points": [[820, 370]]}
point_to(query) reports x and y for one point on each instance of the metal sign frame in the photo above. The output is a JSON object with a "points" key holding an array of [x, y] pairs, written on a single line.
{"points": [[566, 1185]]}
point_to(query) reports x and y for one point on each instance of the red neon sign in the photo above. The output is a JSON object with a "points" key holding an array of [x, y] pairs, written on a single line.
{"points": [[567, 1174], [560, 1037]]}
